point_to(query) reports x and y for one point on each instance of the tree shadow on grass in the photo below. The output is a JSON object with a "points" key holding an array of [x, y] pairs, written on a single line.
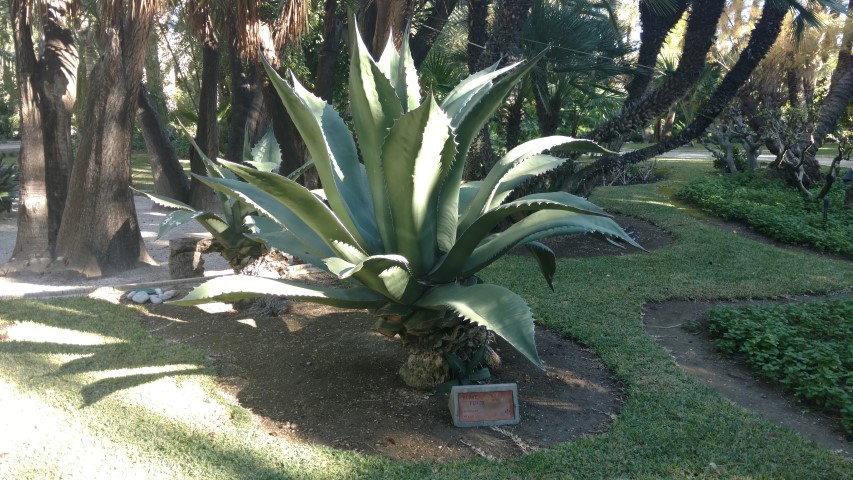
{"points": [[98, 338]]}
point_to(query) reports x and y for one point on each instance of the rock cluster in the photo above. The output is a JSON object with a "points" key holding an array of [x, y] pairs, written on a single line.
{"points": [[153, 295]]}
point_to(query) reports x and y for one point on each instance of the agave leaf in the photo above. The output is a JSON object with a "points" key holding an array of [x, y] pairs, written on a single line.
{"points": [[467, 192], [266, 154], [526, 169], [483, 226], [394, 273], [399, 68], [375, 108], [164, 201], [466, 128], [471, 88], [541, 224], [289, 204], [546, 260], [515, 156], [447, 216], [294, 175], [175, 219], [492, 306], [247, 145], [239, 287], [412, 159], [335, 157]]}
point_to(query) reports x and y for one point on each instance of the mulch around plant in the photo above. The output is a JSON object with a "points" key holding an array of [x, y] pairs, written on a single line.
{"points": [[319, 375]]}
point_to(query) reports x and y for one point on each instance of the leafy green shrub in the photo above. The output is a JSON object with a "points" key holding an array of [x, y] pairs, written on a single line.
{"points": [[401, 227], [808, 348], [738, 155], [774, 209]]}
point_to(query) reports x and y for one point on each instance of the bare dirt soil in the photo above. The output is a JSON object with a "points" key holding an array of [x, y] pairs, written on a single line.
{"points": [[680, 327]]}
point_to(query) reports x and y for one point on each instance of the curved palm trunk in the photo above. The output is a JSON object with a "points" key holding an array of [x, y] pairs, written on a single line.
{"points": [[100, 233], [47, 89], [478, 31], [655, 25], [246, 104], [701, 29], [425, 37], [761, 39], [169, 177]]}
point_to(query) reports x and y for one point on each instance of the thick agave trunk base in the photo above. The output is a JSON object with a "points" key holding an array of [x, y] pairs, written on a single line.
{"points": [[425, 370]]}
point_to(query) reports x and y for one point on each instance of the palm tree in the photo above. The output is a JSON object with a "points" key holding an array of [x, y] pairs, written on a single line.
{"points": [[47, 87], [99, 232]]}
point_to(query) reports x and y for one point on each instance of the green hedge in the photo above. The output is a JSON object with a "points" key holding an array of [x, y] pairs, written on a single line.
{"points": [[774, 209], [808, 348]]}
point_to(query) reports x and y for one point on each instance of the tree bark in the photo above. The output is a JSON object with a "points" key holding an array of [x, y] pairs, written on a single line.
{"points": [[656, 24], [503, 41], [201, 196], [169, 177], [47, 89], [761, 39], [391, 19], [700, 34], [478, 31], [330, 52], [246, 104], [423, 40], [100, 233]]}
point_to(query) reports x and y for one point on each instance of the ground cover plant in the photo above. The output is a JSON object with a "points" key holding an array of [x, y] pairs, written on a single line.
{"points": [[671, 426], [776, 210], [808, 348], [402, 229]]}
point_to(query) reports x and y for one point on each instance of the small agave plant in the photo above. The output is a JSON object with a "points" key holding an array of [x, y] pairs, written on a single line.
{"points": [[236, 227], [396, 223]]}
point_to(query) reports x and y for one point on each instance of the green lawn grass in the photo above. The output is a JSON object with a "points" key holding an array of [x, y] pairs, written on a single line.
{"points": [[172, 422]]}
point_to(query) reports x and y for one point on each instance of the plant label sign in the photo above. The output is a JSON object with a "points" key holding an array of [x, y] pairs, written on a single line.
{"points": [[484, 405]]}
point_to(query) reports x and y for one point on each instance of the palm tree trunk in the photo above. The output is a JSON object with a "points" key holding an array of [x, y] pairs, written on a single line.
{"points": [[207, 129], [169, 177], [700, 34], [427, 33], [761, 39], [478, 31], [656, 24], [99, 232], [47, 92], [330, 52], [246, 104]]}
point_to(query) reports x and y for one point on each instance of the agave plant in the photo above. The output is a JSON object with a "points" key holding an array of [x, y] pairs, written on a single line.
{"points": [[395, 221], [239, 222]]}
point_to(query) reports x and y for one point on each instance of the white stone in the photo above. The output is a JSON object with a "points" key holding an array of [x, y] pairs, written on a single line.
{"points": [[155, 299], [158, 291], [168, 294], [140, 297], [130, 294]]}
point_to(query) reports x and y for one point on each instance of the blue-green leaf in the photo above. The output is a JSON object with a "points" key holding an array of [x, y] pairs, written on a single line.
{"points": [[492, 306]]}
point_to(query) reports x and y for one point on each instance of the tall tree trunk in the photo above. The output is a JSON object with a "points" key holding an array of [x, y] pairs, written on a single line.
{"points": [[59, 87], [502, 43], [514, 117], [47, 93], [427, 33], [391, 19], [330, 52], [201, 196], [169, 177], [154, 74], [246, 104], [478, 31], [761, 39], [834, 105], [656, 24], [99, 232]]}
